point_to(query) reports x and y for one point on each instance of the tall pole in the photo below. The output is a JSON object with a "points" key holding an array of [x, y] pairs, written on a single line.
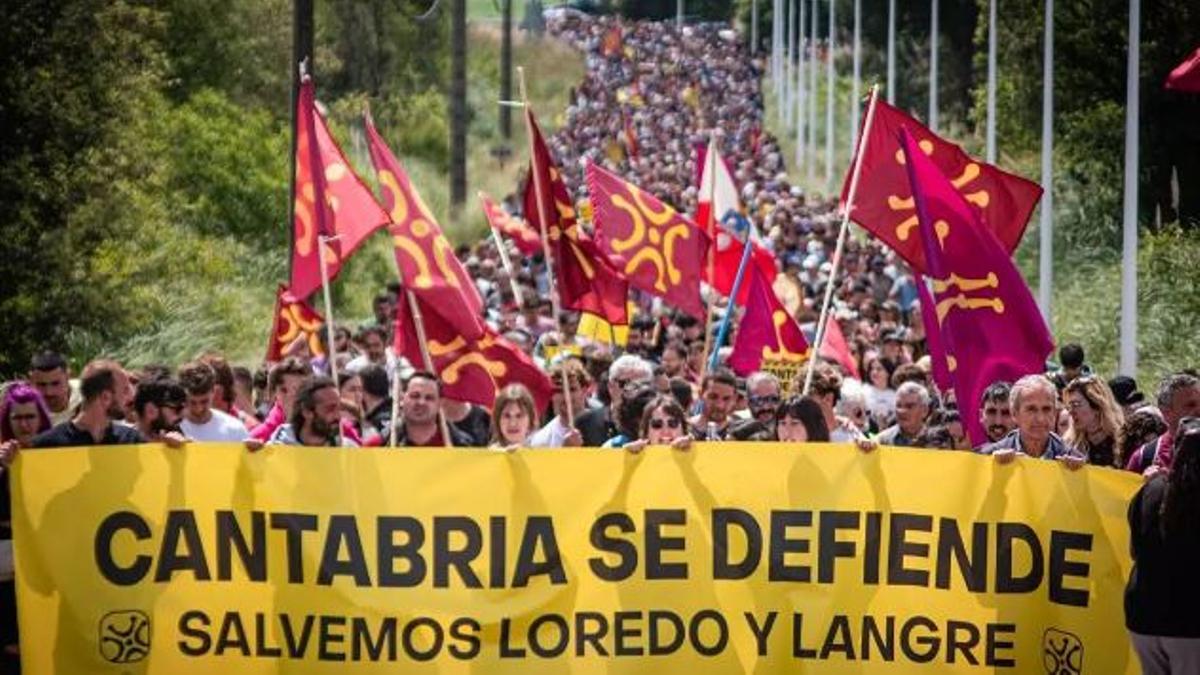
{"points": [[891, 52], [790, 88], [830, 95], [1046, 232], [506, 69], [857, 71], [1128, 364], [458, 105], [775, 24], [812, 93], [543, 219], [856, 170], [678, 13], [801, 92], [754, 27], [322, 242], [933, 68], [991, 84], [302, 53]]}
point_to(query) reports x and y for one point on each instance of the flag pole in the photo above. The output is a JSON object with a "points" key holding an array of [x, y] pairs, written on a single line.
{"points": [[507, 262], [723, 330], [426, 359], [823, 317], [710, 227], [1129, 230], [543, 217], [322, 242]]}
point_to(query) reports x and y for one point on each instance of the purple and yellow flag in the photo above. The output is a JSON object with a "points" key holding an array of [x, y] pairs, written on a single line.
{"points": [[990, 326], [657, 249], [768, 337]]}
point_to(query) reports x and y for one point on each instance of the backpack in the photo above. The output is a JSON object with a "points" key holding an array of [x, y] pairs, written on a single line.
{"points": [[1149, 454]]}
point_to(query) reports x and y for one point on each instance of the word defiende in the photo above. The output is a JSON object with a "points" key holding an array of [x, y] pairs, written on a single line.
{"points": [[894, 549]]}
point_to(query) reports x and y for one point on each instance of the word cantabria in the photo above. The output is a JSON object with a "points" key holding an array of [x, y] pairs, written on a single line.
{"points": [[751, 559]]}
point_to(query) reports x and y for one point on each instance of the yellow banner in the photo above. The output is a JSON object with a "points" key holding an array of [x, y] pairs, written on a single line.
{"points": [[748, 558]]}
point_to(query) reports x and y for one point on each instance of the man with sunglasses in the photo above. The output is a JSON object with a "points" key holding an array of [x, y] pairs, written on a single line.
{"points": [[763, 398], [158, 405], [599, 424]]}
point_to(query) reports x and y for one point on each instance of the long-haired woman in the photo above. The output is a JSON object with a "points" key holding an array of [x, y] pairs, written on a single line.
{"points": [[1164, 589], [1096, 420]]}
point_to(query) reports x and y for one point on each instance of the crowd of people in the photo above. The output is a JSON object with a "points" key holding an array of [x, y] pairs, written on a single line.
{"points": [[652, 92]]}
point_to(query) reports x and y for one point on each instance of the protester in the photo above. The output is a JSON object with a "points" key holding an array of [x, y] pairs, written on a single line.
{"points": [[663, 422], [1125, 392], [315, 417], [599, 425], [801, 419], [472, 420], [560, 431], [1072, 361], [283, 384], [881, 397], [763, 399], [419, 424], [995, 413], [23, 414], [1163, 590], [1178, 397], [201, 421], [159, 405], [912, 409], [1096, 420], [374, 340], [826, 390], [1034, 409], [634, 399], [376, 403], [106, 394], [512, 418], [718, 396], [1142, 426], [48, 372]]}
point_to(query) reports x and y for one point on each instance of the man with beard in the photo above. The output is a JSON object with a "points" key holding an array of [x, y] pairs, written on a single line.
{"points": [[763, 398], [48, 372], [158, 405], [315, 417], [106, 393], [995, 412]]}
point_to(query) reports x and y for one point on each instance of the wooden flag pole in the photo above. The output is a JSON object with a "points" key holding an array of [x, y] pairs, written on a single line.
{"points": [[427, 360], [322, 242], [710, 227], [823, 317], [539, 192], [507, 262]]}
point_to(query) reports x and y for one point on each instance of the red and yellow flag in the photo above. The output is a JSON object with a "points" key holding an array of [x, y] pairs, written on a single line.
{"points": [[768, 337], [471, 370], [293, 319], [884, 203], [586, 280], [522, 235], [329, 199], [425, 258], [657, 249]]}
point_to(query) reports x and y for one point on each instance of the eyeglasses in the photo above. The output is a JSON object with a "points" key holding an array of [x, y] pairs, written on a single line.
{"points": [[671, 423], [771, 399]]}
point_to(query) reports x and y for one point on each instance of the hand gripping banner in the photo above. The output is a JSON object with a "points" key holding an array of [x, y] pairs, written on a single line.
{"points": [[748, 558]]}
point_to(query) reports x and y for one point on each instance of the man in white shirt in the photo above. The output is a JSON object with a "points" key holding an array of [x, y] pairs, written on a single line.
{"points": [[559, 432], [201, 422]]}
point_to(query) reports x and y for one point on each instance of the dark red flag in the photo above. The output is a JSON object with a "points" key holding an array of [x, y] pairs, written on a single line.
{"points": [[293, 319], [884, 203], [329, 199], [470, 370], [657, 249], [522, 235], [586, 280]]}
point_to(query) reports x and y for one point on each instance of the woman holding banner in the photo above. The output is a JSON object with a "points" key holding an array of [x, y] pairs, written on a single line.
{"points": [[512, 418], [1163, 590]]}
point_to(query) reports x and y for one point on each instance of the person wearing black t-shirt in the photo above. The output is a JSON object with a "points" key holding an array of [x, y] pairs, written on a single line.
{"points": [[107, 393]]}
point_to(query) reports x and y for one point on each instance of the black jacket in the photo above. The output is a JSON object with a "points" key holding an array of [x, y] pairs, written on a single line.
{"points": [[1163, 590], [595, 427]]}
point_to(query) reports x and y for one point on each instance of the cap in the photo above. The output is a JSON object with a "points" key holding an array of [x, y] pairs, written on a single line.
{"points": [[1125, 391]]}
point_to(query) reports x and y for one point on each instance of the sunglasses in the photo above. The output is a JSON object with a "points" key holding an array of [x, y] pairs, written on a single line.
{"points": [[657, 424], [771, 399]]}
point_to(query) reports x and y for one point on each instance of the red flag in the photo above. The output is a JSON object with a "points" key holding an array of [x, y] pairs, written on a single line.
{"points": [[525, 238], [425, 258], [630, 135], [718, 208], [293, 318], [611, 44], [835, 347], [470, 370], [991, 328], [329, 199], [1186, 76], [586, 280], [767, 334], [884, 203], [658, 250]]}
